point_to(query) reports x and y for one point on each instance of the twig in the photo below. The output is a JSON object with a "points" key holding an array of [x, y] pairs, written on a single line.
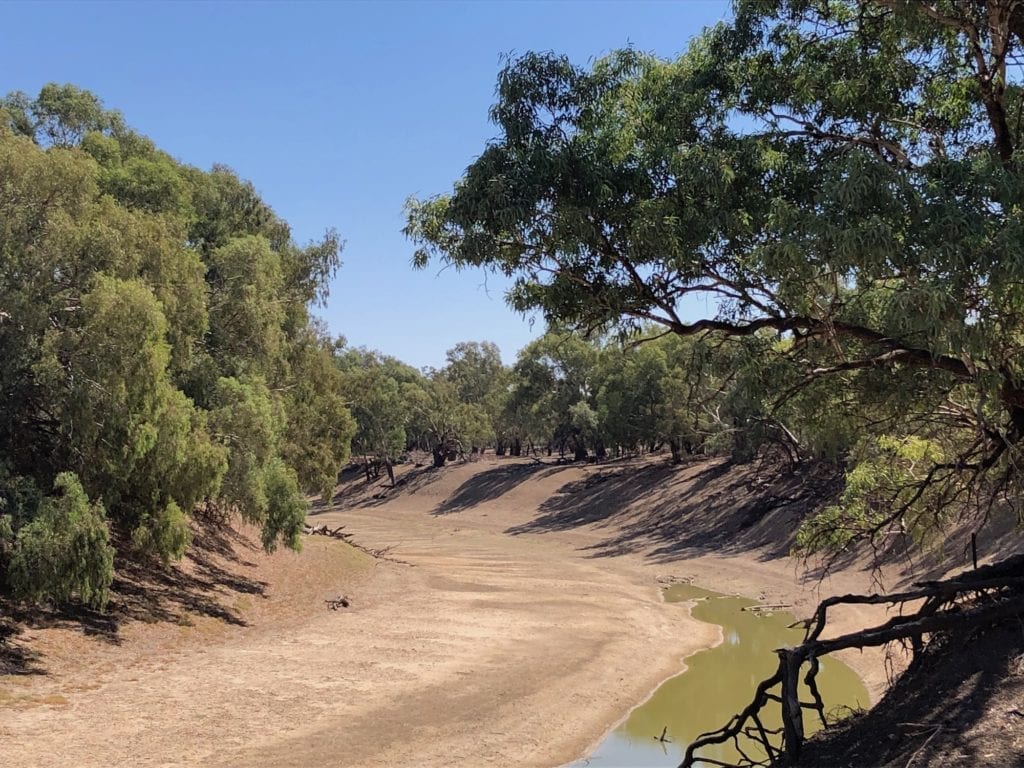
{"points": [[927, 741]]}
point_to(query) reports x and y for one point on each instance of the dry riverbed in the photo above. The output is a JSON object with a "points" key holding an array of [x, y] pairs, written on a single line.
{"points": [[523, 623]]}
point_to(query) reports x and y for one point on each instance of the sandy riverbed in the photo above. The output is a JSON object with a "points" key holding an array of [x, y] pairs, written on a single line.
{"points": [[520, 627]]}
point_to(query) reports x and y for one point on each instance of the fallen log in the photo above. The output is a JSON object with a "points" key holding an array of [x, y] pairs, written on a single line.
{"points": [[323, 530]]}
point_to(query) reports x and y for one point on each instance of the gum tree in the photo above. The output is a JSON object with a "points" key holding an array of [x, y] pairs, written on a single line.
{"points": [[844, 176], [841, 175]]}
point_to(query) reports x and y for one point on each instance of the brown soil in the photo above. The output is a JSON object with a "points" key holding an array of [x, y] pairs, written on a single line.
{"points": [[523, 623], [960, 703]]}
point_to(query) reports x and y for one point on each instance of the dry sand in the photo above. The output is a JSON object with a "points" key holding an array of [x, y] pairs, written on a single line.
{"points": [[525, 621]]}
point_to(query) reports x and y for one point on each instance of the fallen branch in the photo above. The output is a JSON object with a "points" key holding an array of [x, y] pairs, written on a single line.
{"points": [[323, 530], [920, 749], [377, 554]]}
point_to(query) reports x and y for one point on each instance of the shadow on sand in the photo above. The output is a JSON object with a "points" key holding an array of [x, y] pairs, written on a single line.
{"points": [[704, 506], [146, 591], [928, 714], [354, 491], [494, 483]]}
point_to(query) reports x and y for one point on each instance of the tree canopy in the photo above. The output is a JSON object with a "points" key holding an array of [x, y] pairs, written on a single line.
{"points": [[158, 351], [840, 177]]}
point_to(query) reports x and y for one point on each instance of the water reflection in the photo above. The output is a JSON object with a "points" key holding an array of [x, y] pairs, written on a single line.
{"points": [[718, 683]]}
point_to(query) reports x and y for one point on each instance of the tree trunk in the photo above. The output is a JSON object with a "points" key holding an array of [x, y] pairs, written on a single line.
{"points": [[792, 713], [677, 451], [391, 471], [440, 455], [580, 451]]}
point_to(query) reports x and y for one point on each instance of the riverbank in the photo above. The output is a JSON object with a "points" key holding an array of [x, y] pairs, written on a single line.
{"points": [[522, 623]]}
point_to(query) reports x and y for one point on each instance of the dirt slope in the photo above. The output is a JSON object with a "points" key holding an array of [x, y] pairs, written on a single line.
{"points": [[524, 621]]}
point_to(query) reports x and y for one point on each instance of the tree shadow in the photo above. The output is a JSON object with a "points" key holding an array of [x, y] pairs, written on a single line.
{"points": [[350, 485], [355, 491], [926, 717], [708, 505], [144, 590], [15, 657], [493, 483]]}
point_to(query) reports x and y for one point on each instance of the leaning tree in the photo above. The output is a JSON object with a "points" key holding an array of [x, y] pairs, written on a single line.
{"points": [[841, 176]]}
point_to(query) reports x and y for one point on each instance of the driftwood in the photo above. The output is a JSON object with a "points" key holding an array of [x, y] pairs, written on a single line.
{"points": [[341, 601], [766, 608], [971, 599], [378, 554]]}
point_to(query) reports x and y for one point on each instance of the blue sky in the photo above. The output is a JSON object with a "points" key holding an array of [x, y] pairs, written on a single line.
{"points": [[337, 112]]}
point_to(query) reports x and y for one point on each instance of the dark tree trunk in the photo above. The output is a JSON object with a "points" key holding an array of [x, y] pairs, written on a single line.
{"points": [[677, 451], [391, 471], [600, 450], [440, 456], [580, 451]]}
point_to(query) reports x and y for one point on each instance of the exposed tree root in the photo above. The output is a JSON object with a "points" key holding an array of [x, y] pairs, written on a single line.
{"points": [[966, 601]]}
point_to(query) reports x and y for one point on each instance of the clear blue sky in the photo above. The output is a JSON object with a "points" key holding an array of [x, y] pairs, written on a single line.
{"points": [[337, 112]]}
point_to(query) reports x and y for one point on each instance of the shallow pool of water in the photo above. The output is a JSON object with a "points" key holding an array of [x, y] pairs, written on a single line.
{"points": [[718, 683]]}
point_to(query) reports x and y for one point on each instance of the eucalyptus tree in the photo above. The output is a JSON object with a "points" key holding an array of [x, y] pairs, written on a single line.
{"points": [[481, 379], [553, 392], [373, 390], [442, 423], [843, 175], [473, 367]]}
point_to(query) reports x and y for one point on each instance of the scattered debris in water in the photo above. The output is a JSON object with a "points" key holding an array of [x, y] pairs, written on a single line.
{"points": [[675, 580], [768, 609]]}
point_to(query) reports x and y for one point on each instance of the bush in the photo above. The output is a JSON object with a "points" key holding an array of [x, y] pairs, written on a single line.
{"points": [[65, 551]]}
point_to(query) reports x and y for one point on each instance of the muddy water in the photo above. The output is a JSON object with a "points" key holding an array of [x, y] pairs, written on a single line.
{"points": [[717, 684]]}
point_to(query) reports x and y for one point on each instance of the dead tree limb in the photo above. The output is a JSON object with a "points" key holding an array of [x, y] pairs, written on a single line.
{"points": [[973, 599], [377, 554]]}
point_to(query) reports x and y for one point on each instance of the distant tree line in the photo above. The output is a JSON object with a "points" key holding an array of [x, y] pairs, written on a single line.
{"points": [[590, 398]]}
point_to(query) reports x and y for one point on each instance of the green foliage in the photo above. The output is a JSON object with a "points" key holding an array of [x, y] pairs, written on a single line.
{"points": [[840, 181], [164, 532], [886, 473], [473, 367], [443, 424], [65, 550], [157, 344], [552, 375], [61, 115], [380, 412], [286, 508], [317, 436], [247, 422]]}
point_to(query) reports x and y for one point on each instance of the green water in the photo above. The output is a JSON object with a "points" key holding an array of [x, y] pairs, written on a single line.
{"points": [[717, 684]]}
